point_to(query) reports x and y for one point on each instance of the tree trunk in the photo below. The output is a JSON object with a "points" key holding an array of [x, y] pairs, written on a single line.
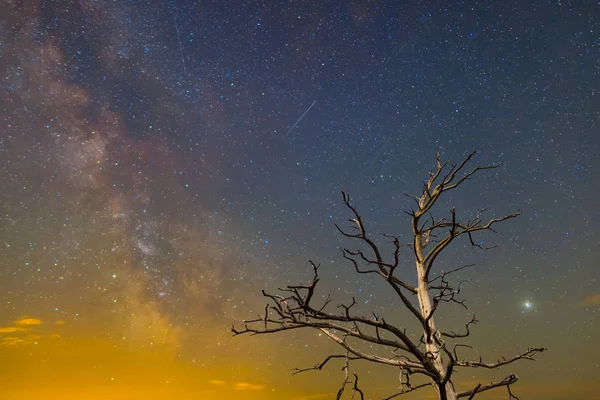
{"points": [[445, 392], [432, 347]]}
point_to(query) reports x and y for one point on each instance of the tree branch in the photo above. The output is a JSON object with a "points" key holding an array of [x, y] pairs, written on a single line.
{"points": [[455, 335], [320, 365], [418, 367], [444, 273], [346, 370], [408, 390], [356, 389], [526, 355], [509, 380]]}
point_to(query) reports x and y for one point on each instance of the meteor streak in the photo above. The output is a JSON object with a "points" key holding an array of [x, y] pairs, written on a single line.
{"points": [[299, 119]]}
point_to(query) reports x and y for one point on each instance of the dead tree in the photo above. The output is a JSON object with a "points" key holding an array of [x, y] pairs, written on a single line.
{"points": [[435, 356]]}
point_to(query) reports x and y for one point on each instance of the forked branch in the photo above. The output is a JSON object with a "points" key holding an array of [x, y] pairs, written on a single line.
{"points": [[320, 365], [529, 354], [509, 380], [455, 335]]}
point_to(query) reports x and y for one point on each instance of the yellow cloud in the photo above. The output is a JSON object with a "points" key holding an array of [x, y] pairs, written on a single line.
{"points": [[317, 396], [11, 329], [566, 389], [12, 341], [60, 322], [591, 301], [28, 321], [219, 383], [248, 386]]}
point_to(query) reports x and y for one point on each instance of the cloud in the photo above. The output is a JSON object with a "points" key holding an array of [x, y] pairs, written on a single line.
{"points": [[12, 341], [317, 396], [23, 340], [565, 389], [238, 385], [22, 331], [591, 301], [248, 386], [29, 321], [11, 329]]}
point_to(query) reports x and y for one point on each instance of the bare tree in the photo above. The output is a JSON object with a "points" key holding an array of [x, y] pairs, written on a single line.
{"points": [[435, 355]]}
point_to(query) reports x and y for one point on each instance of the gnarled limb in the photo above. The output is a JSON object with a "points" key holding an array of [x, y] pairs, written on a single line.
{"points": [[455, 335], [320, 365], [386, 270], [417, 367], [407, 390], [509, 380], [444, 273], [526, 355], [356, 388], [346, 370], [458, 229], [295, 311]]}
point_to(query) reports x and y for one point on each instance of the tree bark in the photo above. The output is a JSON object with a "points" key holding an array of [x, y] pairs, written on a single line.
{"points": [[446, 392], [431, 336]]}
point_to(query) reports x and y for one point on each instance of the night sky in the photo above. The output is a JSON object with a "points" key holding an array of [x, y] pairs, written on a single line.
{"points": [[162, 162]]}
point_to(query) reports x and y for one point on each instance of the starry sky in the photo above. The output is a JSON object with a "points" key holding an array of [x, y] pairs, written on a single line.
{"points": [[163, 161]]}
